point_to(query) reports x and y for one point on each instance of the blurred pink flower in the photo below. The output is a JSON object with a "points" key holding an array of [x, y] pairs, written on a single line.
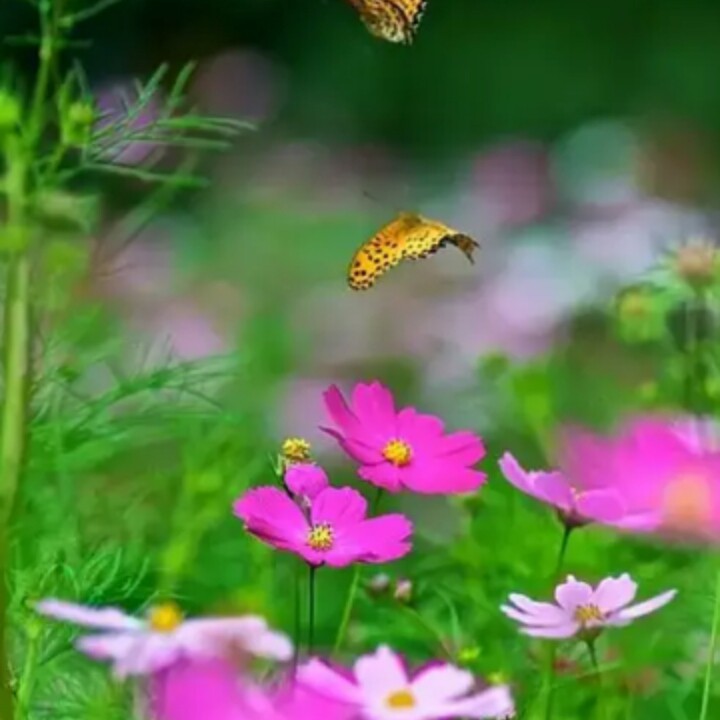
{"points": [[139, 647], [576, 507], [402, 449], [667, 478], [514, 184], [381, 688], [336, 531], [305, 480], [113, 102], [582, 610]]}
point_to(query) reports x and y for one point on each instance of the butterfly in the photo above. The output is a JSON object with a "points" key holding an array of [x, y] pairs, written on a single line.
{"points": [[408, 236], [396, 21]]}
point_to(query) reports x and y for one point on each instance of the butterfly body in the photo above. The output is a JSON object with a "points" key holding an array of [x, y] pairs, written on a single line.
{"points": [[407, 237], [396, 21]]}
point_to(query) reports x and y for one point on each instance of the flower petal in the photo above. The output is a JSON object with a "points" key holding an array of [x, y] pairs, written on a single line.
{"points": [[440, 683], [306, 479], [381, 539], [320, 677], [613, 593], [515, 474], [106, 618], [380, 674], [602, 506], [339, 507], [434, 477], [340, 412], [646, 607], [557, 631], [495, 702], [572, 593], [374, 407], [538, 609], [272, 516], [382, 475]]}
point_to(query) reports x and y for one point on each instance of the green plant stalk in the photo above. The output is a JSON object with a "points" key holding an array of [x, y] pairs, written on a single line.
{"points": [[601, 706], [347, 610], [26, 681], [311, 609], [710, 667], [548, 686]]}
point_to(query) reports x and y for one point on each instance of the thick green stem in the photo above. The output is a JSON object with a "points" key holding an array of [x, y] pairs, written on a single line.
{"points": [[710, 667]]}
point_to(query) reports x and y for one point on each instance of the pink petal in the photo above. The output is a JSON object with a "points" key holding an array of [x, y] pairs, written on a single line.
{"points": [[435, 477], [106, 618], [380, 674], [572, 594], [381, 539], [441, 683], [319, 677], [215, 637], [533, 613], [306, 479], [553, 488], [374, 406], [462, 447], [111, 646], [339, 507], [271, 515], [358, 449], [152, 652], [602, 506], [613, 593], [495, 702], [646, 607], [383, 475], [558, 631], [515, 474], [340, 413], [417, 429]]}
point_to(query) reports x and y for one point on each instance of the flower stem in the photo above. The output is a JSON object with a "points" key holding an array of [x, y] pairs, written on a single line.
{"points": [[548, 683], [598, 676], [26, 682], [710, 667], [311, 609], [297, 623], [347, 610], [376, 502]]}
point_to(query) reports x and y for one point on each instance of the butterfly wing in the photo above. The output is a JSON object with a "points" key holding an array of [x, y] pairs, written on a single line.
{"points": [[392, 20], [410, 237]]}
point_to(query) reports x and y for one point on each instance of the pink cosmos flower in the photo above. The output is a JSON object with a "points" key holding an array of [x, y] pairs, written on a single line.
{"points": [[334, 532], [402, 449], [213, 690], [305, 480], [140, 646], [582, 610], [667, 477], [381, 688], [576, 507]]}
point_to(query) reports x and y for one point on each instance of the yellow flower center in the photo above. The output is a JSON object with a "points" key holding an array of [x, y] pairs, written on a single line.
{"points": [[296, 450], [165, 618], [321, 537], [687, 504], [398, 452], [401, 700], [589, 613]]}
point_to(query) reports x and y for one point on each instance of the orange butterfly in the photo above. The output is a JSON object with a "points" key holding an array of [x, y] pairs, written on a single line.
{"points": [[409, 236], [393, 20]]}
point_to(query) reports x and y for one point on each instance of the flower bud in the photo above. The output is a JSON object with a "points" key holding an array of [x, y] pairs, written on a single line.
{"points": [[403, 590], [697, 263]]}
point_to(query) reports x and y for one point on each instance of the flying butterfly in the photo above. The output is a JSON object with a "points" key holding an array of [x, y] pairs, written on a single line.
{"points": [[396, 21], [408, 237]]}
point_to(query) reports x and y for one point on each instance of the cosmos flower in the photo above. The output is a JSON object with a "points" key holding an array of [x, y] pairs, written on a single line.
{"points": [[582, 610], [381, 688], [335, 531], [402, 449], [666, 475], [576, 507], [140, 646]]}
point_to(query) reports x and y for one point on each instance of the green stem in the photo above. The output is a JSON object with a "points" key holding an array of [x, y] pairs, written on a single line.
{"points": [[548, 683], [376, 502], [26, 682], [297, 616], [710, 667], [600, 705], [425, 625], [347, 610], [311, 609]]}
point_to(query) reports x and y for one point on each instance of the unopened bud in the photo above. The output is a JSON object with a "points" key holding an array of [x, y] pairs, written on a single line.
{"points": [[403, 590], [697, 263], [379, 584]]}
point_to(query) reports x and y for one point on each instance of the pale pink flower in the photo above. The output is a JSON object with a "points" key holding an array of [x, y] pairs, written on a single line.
{"points": [[381, 688], [403, 449], [141, 646], [582, 610], [575, 507], [667, 477], [335, 531]]}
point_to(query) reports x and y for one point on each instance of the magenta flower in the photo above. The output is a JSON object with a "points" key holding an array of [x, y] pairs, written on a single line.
{"points": [[402, 449], [576, 507], [380, 688], [334, 532], [582, 610], [140, 646], [305, 480], [666, 476]]}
